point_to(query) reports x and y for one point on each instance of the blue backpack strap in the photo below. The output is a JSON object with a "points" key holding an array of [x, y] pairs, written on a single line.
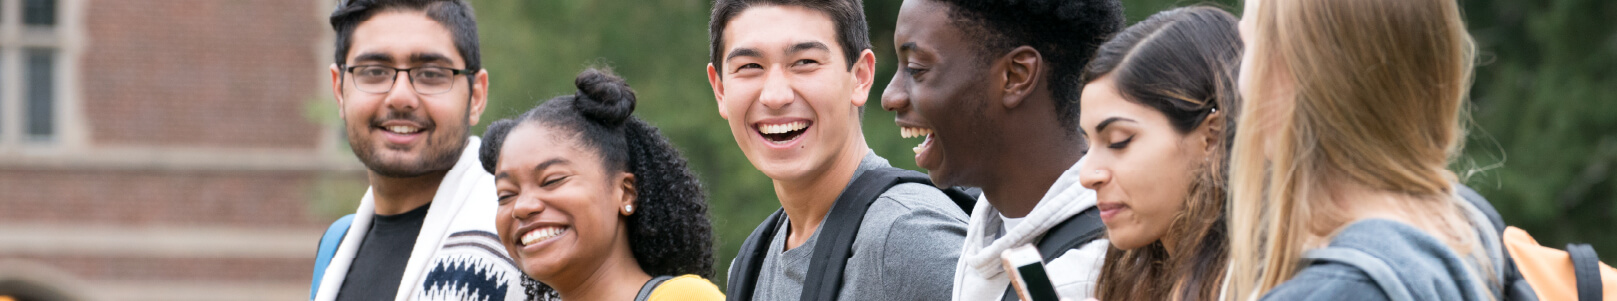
{"points": [[1379, 271], [328, 249]]}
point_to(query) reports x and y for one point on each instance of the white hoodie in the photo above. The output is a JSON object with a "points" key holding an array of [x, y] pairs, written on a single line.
{"points": [[457, 255], [979, 274]]}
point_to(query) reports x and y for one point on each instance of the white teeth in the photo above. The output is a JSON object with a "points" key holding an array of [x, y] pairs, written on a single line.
{"points": [[781, 128], [541, 234], [403, 129], [909, 132]]}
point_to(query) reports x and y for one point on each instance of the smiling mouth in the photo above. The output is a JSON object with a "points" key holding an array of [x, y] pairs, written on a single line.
{"points": [[402, 129], [541, 234], [782, 133], [912, 132]]}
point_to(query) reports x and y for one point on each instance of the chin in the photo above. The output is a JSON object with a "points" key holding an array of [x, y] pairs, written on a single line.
{"points": [[536, 268], [948, 177], [784, 169], [1125, 242]]}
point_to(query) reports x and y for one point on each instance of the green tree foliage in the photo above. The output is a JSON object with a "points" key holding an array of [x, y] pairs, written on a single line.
{"points": [[1543, 146], [1541, 99]]}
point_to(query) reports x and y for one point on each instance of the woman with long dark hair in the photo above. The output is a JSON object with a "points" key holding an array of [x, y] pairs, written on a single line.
{"points": [[1155, 109], [595, 204]]}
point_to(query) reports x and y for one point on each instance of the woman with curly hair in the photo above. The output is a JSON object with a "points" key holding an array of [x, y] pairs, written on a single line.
{"points": [[595, 204]]}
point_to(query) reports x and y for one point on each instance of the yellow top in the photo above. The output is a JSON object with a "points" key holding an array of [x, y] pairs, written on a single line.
{"points": [[686, 288]]}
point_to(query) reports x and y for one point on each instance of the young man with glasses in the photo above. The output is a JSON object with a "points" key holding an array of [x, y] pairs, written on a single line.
{"points": [[409, 85]]}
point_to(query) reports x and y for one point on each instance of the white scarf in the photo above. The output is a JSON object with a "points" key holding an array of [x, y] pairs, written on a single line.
{"points": [[458, 247]]}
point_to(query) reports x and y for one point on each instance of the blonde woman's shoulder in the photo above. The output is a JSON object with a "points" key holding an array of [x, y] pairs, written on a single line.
{"points": [[686, 288]]}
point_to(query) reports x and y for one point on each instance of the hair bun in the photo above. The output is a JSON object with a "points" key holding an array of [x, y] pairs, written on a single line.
{"points": [[603, 97]]}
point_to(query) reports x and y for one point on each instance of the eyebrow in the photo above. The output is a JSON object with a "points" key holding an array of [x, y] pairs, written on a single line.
{"points": [[373, 57], [542, 166], [909, 46], [805, 46], [418, 58], [739, 52], [430, 57], [1108, 122]]}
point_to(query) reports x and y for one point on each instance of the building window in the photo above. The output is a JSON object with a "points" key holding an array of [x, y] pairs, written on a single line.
{"points": [[29, 74]]}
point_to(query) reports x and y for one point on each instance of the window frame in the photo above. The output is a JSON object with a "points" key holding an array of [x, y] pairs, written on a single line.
{"points": [[65, 38]]}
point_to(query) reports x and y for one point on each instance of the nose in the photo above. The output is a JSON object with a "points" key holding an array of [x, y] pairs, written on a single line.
{"points": [[526, 206], [402, 96], [895, 98], [777, 92], [1094, 177]]}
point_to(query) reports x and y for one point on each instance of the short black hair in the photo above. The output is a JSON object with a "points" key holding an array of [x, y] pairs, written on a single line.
{"points": [[847, 15], [456, 15], [670, 232], [1064, 32]]}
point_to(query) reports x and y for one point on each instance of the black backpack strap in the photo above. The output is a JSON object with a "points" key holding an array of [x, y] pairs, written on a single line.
{"points": [[963, 197], [1586, 266], [651, 285], [835, 244], [1069, 234], [744, 275], [1072, 233]]}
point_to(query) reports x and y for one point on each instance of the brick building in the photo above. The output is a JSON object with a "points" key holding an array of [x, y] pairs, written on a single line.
{"points": [[167, 149]]}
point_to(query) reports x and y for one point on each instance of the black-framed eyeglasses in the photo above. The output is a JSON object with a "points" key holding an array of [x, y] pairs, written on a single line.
{"points": [[425, 80]]}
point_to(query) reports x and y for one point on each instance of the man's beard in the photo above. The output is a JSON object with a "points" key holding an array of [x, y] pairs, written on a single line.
{"points": [[436, 154]]}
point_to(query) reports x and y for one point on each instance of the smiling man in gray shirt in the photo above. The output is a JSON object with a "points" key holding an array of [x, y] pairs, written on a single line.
{"points": [[790, 79]]}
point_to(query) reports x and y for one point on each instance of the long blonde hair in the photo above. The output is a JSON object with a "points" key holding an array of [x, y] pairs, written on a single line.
{"points": [[1371, 93]]}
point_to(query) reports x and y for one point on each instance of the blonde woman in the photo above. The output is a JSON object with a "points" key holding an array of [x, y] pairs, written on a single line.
{"points": [[1339, 186]]}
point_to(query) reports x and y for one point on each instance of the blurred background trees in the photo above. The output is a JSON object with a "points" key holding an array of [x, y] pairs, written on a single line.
{"points": [[1543, 146]]}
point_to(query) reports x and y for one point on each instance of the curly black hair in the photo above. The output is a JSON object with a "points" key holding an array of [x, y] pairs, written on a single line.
{"points": [[669, 232], [1065, 33]]}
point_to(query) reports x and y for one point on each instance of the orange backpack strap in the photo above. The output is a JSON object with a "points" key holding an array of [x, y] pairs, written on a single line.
{"points": [[1575, 274]]}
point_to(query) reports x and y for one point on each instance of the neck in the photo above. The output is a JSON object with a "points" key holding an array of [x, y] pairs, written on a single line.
{"points": [[1356, 202], [617, 278], [400, 195], [806, 201], [1032, 157]]}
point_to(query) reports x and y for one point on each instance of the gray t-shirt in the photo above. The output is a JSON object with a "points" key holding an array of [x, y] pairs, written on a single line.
{"points": [[905, 250]]}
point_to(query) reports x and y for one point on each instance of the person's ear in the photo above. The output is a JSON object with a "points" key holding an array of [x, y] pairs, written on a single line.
{"points": [[479, 97], [1212, 129], [1021, 74], [626, 201], [864, 76], [713, 79], [336, 88]]}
